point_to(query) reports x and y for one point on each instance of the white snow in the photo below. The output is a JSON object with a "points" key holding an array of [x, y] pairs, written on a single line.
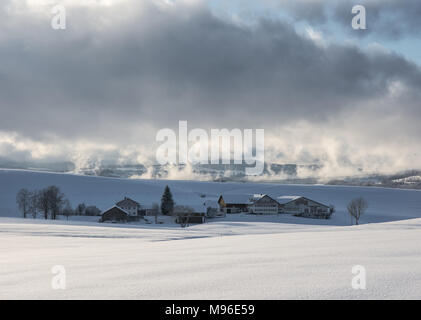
{"points": [[238, 257], [220, 260], [286, 199]]}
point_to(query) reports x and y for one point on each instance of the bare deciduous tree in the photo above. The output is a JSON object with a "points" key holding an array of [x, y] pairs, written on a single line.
{"points": [[356, 208], [23, 199], [33, 204], [67, 209], [183, 214], [80, 209], [92, 211], [43, 202], [50, 199], [55, 200], [155, 211]]}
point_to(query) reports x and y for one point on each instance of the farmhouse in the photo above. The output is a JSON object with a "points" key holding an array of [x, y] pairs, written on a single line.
{"points": [[235, 203], [264, 205], [115, 214], [130, 206], [302, 206]]}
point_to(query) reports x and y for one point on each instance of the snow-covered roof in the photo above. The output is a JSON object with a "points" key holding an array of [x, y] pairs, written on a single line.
{"points": [[127, 202], [211, 203], [117, 208], [287, 199], [237, 198]]}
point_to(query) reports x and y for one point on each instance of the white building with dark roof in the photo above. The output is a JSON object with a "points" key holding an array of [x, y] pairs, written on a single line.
{"points": [[130, 206], [264, 204], [302, 206], [267, 204]]}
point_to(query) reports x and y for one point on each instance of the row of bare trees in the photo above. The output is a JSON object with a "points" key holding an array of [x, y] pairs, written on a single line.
{"points": [[50, 202]]}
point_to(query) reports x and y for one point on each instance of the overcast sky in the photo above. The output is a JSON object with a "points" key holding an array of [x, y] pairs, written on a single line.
{"points": [[123, 69]]}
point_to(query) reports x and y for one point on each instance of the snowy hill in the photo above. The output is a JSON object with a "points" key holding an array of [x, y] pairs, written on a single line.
{"points": [[384, 204], [219, 260], [238, 257]]}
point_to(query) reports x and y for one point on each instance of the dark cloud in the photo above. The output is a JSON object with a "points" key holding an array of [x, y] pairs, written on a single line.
{"points": [[392, 19], [119, 73], [387, 18]]}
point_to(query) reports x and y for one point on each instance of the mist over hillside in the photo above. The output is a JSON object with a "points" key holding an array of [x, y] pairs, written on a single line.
{"points": [[273, 172]]}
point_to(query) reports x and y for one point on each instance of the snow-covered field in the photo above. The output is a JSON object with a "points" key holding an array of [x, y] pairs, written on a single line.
{"points": [[240, 257], [220, 260]]}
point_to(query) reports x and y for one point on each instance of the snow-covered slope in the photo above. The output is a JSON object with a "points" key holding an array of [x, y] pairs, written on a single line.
{"points": [[384, 204], [238, 257], [220, 260]]}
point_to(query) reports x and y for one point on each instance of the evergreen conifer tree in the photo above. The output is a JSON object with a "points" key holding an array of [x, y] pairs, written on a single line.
{"points": [[167, 202]]}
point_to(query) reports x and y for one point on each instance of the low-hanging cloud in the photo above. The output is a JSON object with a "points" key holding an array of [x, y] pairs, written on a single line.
{"points": [[119, 73]]}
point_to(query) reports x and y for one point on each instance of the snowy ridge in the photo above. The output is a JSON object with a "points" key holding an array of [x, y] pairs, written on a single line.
{"points": [[384, 204]]}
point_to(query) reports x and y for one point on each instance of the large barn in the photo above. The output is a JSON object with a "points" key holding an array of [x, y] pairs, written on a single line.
{"points": [[264, 205], [302, 206]]}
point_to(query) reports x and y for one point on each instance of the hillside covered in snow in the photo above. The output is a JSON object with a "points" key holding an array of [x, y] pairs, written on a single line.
{"points": [[238, 257], [218, 260], [384, 204]]}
